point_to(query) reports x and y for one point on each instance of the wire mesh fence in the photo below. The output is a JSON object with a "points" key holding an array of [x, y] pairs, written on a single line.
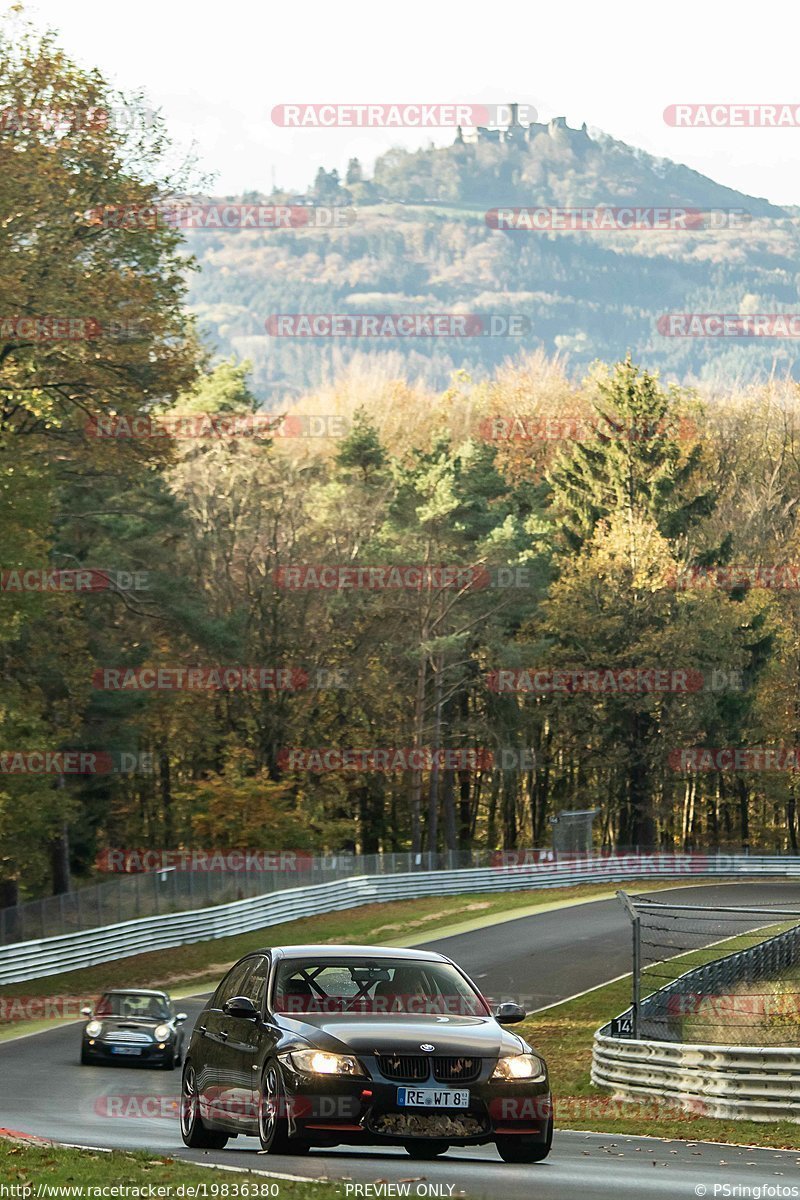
{"points": [[171, 889], [572, 830], [714, 975], [150, 893]]}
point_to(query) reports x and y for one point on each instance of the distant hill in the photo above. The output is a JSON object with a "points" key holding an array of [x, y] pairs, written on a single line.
{"points": [[419, 242], [555, 165]]}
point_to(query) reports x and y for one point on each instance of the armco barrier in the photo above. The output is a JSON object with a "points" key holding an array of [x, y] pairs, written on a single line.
{"points": [[67, 952], [162, 887], [739, 1082], [757, 1083]]}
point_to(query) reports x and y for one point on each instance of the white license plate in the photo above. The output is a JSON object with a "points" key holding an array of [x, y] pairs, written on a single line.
{"points": [[432, 1098], [126, 1050]]}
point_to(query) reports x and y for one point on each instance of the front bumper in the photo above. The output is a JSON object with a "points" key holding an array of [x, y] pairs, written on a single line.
{"points": [[100, 1051], [338, 1110]]}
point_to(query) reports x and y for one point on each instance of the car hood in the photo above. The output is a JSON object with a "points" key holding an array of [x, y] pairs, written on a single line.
{"points": [[388, 1033], [147, 1026]]}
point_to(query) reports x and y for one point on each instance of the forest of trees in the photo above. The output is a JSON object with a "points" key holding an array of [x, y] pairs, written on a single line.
{"points": [[609, 521]]}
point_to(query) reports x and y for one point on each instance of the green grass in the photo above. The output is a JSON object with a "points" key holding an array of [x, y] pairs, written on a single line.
{"points": [[30, 1163], [565, 1034]]}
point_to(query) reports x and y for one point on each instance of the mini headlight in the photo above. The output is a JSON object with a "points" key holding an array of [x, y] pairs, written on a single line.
{"points": [[162, 1032], [520, 1066], [94, 1028], [319, 1062]]}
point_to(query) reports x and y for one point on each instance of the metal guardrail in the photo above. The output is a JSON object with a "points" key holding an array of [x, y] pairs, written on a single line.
{"points": [[68, 952], [757, 1083], [159, 891], [739, 1082], [154, 892]]}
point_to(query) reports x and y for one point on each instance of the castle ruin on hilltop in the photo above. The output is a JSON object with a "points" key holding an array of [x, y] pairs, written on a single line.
{"points": [[515, 131]]}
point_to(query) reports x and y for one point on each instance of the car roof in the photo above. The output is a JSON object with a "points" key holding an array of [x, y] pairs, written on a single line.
{"points": [[133, 992], [328, 950]]}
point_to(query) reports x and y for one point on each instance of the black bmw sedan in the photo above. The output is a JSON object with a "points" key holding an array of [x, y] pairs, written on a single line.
{"points": [[321, 1045], [133, 1026]]}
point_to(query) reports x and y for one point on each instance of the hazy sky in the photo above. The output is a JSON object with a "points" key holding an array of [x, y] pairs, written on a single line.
{"points": [[217, 70]]}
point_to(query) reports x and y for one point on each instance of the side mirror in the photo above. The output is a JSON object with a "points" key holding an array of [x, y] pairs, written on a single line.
{"points": [[240, 1006], [181, 1017], [509, 1014], [86, 1012]]}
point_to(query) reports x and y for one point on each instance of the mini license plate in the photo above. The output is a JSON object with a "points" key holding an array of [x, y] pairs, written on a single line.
{"points": [[432, 1098], [126, 1050]]}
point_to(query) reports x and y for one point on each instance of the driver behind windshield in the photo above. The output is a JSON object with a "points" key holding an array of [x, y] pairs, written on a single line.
{"points": [[362, 987], [142, 1008]]}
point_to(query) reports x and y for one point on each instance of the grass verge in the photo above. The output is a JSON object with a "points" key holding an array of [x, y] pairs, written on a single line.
{"points": [[29, 1164], [564, 1035]]}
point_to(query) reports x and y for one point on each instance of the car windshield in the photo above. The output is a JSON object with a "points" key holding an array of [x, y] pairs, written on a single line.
{"points": [[364, 985], [132, 1004]]}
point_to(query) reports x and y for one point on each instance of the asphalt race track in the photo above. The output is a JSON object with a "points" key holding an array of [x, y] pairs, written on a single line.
{"points": [[541, 959]]}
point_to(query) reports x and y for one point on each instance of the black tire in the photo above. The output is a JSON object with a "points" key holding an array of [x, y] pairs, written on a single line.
{"points": [[426, 1149], [273, 1126], [168, 1064], [525, 1150], [193, 1131], [85, 1060]]}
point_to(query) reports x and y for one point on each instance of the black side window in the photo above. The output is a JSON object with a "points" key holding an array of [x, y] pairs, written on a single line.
{"points": [[232, 983], [255, 984]]}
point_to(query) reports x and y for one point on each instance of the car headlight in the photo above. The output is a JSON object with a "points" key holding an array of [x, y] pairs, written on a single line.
{"points": [[162, 1032], [319, 1062], [520, 1066], [94, 1028]]}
